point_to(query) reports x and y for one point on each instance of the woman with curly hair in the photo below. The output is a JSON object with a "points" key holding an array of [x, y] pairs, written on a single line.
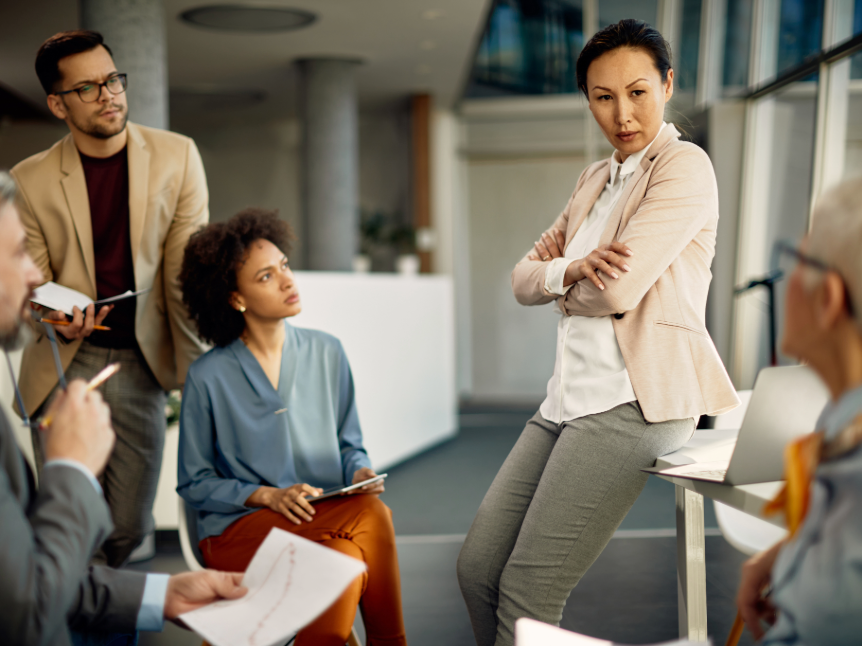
{"points": [[269, 419]]}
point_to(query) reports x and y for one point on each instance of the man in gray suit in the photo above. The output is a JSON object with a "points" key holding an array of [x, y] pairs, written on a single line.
{"points": [[49, 594]]}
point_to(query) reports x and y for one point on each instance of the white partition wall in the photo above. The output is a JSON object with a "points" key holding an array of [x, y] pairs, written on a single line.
{"points": [[399, 335]]}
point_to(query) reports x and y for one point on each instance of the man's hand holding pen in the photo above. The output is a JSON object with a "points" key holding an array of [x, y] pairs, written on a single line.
{"points": [[82, 324]]}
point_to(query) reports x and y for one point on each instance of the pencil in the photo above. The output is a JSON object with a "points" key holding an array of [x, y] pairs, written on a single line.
{"points": [[94, 383], [735, 631], [61, 322]]}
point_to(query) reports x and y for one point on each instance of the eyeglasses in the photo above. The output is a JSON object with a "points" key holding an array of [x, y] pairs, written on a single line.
{"points": [[91, 92], [784, 248]]}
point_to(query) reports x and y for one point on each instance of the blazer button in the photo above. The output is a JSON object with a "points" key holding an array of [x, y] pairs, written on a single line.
{"points": [[619, 316]]}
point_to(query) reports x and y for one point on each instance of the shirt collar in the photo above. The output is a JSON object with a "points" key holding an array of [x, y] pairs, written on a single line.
{"points": [[838, 414], [632, 161]]}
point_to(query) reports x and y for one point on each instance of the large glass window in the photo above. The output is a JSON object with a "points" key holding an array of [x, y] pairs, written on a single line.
{"points": [[611, 11], [737, 44], [853, 136], [529, 47], [787, 120], [856, 66], [800, 32], [689, 46]]}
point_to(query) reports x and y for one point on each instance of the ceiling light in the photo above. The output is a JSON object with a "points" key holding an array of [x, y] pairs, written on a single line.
{"points": [[230, 17]]}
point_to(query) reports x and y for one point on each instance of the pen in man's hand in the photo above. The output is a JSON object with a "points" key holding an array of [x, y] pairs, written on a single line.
{"points": [[62, 322], [94, 383]]}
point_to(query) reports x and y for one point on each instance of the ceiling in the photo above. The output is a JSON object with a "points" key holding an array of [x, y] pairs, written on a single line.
{"points": [[406, 46]]}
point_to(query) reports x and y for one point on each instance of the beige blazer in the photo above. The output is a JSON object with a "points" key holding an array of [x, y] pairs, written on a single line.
{"points": [[168, 201], [667, 215]]}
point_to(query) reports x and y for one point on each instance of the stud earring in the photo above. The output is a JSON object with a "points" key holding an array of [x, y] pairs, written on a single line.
{"points": [[241, 309]]}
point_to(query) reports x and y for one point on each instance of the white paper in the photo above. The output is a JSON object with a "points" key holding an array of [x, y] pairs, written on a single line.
{"points": [[62, 299], [126, 294], [291, 581], [529, 632]]}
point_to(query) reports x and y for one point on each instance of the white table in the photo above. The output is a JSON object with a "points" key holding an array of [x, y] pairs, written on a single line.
{"points": [[705, 446]]}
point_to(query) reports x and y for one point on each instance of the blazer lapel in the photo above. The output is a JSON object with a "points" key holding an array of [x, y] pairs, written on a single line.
{"points": [[612, 229], [139, 171], [75, 190], [589, 194]]}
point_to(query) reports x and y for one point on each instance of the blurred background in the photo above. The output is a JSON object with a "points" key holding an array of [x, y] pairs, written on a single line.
{"points": [[442, 137]]}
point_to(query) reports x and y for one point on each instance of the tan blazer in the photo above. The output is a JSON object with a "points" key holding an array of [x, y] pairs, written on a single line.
{"points": [[168, 201], [667, 215]]}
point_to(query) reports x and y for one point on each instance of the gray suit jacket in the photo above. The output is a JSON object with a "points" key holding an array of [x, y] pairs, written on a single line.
{"points": [[46, 541]]}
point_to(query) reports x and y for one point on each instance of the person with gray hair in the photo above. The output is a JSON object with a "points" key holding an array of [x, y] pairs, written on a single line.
{"points": [[814, 577], [49, 595]]}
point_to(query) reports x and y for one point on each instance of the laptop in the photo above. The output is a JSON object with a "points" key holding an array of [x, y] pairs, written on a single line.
{"points": [[786, 403]]}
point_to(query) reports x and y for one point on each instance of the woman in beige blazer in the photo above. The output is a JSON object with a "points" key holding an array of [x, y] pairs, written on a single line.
{"points": [[627, 263]]}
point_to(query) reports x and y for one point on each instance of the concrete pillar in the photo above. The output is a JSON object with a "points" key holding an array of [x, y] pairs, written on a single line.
{"points": [[135, 32], [330, 165]]}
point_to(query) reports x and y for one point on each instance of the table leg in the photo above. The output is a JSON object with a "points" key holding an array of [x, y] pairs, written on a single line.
{"points": [[690, 565]]}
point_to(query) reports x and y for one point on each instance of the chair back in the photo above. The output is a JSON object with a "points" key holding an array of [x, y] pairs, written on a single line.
{"points": [[187, 524]]}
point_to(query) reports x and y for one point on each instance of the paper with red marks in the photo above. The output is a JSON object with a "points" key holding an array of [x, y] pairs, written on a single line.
{"points": [[291, 581]]}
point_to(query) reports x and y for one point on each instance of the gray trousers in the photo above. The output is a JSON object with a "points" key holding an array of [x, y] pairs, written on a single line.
{"points": [[553, 507], [131, 476]]}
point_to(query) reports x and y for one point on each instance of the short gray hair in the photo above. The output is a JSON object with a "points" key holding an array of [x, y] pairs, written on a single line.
{"points": [[8, 188], [836, 237]]}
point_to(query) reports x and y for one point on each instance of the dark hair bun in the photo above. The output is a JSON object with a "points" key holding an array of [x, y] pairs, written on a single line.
{"points": [[635, 34]]}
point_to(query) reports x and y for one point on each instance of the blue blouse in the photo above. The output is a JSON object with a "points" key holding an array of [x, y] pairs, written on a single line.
{"points": [[238, 433]]}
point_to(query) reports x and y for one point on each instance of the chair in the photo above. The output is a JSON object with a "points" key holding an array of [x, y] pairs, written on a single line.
{"points": [[187, 526], [746, 533]]}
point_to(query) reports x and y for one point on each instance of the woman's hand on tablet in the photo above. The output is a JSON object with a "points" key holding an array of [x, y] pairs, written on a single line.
{"points": [[290, 502], [606, 259], [366, 474]]}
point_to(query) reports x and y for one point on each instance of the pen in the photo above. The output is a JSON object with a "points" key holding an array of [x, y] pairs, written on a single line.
{"points": [[61, 322], [94, 383]]}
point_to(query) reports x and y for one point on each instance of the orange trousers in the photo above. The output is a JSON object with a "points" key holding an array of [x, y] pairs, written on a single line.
{"points": [[359, 526]]}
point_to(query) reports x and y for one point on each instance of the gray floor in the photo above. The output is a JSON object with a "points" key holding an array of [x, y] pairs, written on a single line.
{"points": [[629, 595]]}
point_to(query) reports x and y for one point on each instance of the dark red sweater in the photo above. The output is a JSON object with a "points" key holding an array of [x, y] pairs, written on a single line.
{"points": [[108, 190]]}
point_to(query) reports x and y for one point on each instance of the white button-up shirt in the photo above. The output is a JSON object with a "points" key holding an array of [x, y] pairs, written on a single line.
{"points": [[590, 375]]}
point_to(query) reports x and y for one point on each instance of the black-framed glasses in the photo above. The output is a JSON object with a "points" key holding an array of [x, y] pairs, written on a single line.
{"points": [[787, 249], [91, 92]]}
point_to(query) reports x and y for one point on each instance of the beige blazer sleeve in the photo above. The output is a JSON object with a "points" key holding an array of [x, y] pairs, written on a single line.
{"points": [[192, 213], [36, 244], [682, 197]]}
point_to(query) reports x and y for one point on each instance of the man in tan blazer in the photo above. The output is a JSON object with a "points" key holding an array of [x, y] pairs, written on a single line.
{"points": [[107, 209]]}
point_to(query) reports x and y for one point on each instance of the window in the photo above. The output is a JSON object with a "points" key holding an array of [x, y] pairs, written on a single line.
{"points": [[529, 47], [611, 11], [800, 31], [737, 43]]}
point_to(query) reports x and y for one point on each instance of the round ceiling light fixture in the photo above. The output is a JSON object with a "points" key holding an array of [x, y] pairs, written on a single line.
{"points": [[232, 17]]}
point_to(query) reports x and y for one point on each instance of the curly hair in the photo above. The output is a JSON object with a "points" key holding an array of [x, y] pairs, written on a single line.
{"points": [[210, 263]]}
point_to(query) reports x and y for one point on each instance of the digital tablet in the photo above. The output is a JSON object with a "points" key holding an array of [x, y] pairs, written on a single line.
{"points": [[338, 491]]}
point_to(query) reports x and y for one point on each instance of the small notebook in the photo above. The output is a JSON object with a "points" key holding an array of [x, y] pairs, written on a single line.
{"points": [[65, 299]]}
